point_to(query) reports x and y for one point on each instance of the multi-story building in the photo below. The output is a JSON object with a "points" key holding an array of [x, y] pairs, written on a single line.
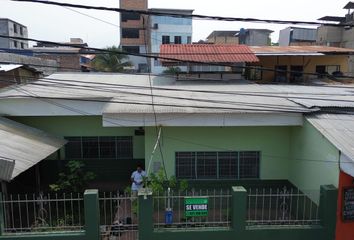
{"points": [[295, 36], [341, 35], [134, 33], [11, 28], [223, 37], [168, 30]]}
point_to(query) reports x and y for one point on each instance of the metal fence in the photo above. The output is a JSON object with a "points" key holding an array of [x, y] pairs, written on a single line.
{"points": [[118, 216], [169, 210], [30, 213], [282, 206]]}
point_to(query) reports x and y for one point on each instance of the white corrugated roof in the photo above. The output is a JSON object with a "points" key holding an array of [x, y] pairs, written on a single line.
{"points": [[129, 93], [132, 94], [341, 96], [9, 67], [339, 130], [23, 145]]}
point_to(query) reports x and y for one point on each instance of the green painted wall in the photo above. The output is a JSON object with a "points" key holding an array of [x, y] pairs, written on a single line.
{"points": [[82, 126], [314, 160], [271, 141]]}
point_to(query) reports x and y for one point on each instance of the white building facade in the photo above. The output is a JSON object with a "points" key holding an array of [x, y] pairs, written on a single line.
{"points": [[168, 30]]}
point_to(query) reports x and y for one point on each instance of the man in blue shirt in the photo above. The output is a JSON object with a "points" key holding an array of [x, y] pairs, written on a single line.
{"points": [[137, 179]]}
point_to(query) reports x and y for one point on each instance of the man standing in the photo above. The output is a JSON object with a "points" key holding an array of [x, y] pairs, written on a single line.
{"points": [[137, 180]]}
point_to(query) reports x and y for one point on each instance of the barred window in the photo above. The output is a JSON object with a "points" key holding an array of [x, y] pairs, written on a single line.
{"points": [[218, 165], [249, 165], [185, 165], [228, 162], [206, 165], [99, 148]]}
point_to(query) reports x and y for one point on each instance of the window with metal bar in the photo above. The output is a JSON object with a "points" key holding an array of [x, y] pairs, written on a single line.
{"points": [[249, 164], [107, 147], [228, 162], [218, 165], [185, 165], [206, 165]]}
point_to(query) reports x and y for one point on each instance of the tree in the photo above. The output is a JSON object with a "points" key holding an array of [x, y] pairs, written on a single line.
{"points": [[75, 179], [113, 61]]}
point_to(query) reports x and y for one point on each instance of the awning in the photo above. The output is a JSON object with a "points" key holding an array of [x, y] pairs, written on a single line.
{"points": [[339, 130], [21, 147]]}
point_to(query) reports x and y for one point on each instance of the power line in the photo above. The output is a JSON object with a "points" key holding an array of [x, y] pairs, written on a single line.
{"points": [[70, 85], [109, 87], [178, 15]]}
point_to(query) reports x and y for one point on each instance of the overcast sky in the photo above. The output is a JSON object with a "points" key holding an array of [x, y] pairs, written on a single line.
{"points": [[59, 24]]}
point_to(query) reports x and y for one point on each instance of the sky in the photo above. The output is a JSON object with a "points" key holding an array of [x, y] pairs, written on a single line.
{"points": [[55, 23]]}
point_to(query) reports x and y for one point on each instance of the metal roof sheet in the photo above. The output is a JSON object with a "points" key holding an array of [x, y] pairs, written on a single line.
{"points": [[208, 53], [339, 130], [350, 5], [24, 146], [318, 96], [332, 19], [298, 50], [9, 67]]}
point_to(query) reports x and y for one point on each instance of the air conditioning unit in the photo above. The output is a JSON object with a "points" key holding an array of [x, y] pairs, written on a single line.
{"points": [[156, 26]]}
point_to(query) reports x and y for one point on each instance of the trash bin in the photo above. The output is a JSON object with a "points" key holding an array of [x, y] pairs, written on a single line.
{"points": [[168, 216]]}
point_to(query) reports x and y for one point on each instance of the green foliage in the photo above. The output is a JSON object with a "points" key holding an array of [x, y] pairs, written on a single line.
{"points": [[172, 70], [75, 178], [112, 61], [159, 183]]}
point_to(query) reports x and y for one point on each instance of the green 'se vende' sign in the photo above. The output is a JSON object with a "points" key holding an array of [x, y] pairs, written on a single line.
{"points": [[196, 206]]}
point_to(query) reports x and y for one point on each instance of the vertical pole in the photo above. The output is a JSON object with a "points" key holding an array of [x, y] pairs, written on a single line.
{"points": [[239, 205], [2, 223], [92, 215], [145, 214], [328, 209]]}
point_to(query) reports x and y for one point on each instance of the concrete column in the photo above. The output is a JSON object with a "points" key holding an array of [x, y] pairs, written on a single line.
{"points": [[92, 215], [145, 215], [328, 210], [239, 204]]}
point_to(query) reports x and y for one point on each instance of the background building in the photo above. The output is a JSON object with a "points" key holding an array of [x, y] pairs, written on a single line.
{"points": [[295, 36], [133, 33], [338, 36], [11, 28], [223, 37], [254, 37], [168, 30], [71, 58]]}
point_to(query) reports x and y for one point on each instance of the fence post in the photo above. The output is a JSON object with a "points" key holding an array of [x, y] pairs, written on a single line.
{"points": [[92, 215], [238, 207], [145, 214], [2, 219], [328, 209]]}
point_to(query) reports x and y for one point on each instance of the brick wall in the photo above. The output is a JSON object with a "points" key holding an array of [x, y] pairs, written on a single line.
{"points": [[67, 63], [140, 24]]}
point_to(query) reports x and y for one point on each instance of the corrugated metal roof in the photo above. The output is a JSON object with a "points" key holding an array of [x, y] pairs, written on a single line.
{"points": [[129, 89], [208, 53], [329, 96], [332, 19], [24, 145], [349, 5], [298, 50], [339, 130], [9, 67]]}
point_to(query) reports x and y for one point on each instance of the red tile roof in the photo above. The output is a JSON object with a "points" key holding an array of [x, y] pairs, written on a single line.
{"points": [[207, 53]]}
